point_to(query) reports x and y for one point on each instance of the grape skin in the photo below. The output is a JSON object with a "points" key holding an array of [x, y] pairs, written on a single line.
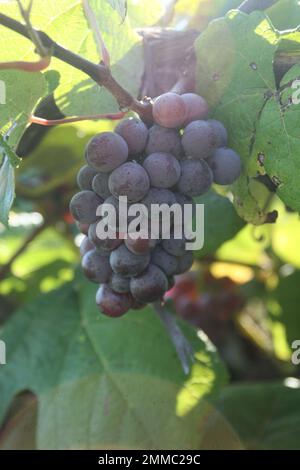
{"points": [[96, 267], [139, 246], [120, 283], [185, 263], [175, 247], [135, 134], [85, 177], [169, 110], [83, 206], [166, 262], [164, 140], [100, 185], [197, 140], [196, 178], [219, 136], [158, 196], [111, 303], [107, 244], [86, 246], [130, 180], [226, 166], [197, 107], [150, 286], [106, 151], [126, 263], [163, 170]]}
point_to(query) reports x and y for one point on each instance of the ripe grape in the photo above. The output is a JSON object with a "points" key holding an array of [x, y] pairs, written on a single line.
{"points": [[112, 303], [83, 228], [126, 263], [175, 247], [83, 206], [105, 244], [219, 136], [185, 263], [120, 283], [85, 177], [150, 286], [164, 261], [130, 180], [163, 170], [86, 246], [169, 110], [226, 166], [135, 134], [100, 185], [196, 140], [164, 140], [96, 267], [158, 196], [196, 178], [197, 107], [139, 246], [106, 151]]}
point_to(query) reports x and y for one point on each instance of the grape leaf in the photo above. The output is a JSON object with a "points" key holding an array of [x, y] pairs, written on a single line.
{"points": [[277, 141], [105, 383], [221, 222], [7, 189], [264, 416], [237, 83], [5, 149]]}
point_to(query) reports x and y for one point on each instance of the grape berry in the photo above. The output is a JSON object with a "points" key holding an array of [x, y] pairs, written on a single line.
{"points": [[176, 159]]}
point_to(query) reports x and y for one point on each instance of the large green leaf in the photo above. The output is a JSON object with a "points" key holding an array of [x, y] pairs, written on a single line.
{"points": [[264, 416], [105, 383], [221, 222], [235, 73], [7, 189]]}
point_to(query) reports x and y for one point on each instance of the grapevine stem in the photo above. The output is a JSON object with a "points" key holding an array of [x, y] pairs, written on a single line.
{"points": [[100, 73], [183, 348]]}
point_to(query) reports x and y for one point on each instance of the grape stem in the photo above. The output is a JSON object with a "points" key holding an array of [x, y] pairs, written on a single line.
{"points": [[100, 73], [183, 348]]}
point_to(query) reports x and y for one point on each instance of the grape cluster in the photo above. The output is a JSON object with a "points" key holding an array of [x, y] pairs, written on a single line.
{"points": [[176, 159]]}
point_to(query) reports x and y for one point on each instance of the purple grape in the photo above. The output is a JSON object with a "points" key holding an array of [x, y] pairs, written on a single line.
{"points": [[120, 283], [126, 263], [185, 263], [226, 166], [100, 185], [107, 244], [85, 177], [106, 151], [197, 107], [197, 140], [169, 110], [135, 134], [84, 205], [196, 178], [175, 247], [130, 180], [139, 246], [164, 140], [111, 303], [219, 136], [86, 246], [96, 267], [150, 286], [166, 262], [163, 170]]}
